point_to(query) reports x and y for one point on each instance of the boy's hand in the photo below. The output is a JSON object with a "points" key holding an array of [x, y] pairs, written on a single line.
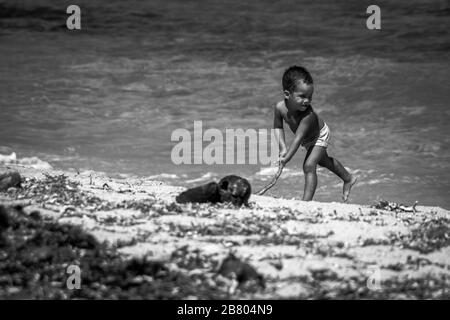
{"points": [[282, 158]]}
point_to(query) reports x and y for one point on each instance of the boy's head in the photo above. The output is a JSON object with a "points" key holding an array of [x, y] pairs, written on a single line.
{"points": [[298, 87]]}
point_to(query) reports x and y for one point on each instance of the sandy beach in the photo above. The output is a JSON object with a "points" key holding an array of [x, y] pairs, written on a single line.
{"points": [[298, 249], [110, 109]]}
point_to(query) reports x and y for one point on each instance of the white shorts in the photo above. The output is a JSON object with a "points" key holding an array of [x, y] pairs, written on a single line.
{"points": [[322, 140]]}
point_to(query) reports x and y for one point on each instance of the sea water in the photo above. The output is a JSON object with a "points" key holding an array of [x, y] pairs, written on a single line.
{"points": [[108, 97]]}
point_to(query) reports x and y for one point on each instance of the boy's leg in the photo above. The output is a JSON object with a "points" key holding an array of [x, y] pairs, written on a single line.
{"points": [[312, 158], [338, 169]]}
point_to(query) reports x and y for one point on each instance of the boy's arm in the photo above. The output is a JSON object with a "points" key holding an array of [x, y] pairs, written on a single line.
{"points": [[279, 131], [304, 126]]}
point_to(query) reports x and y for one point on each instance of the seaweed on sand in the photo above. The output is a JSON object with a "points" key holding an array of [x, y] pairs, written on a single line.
{"points": [[325, 284], [428, 236], [57, 190], [35, 254], [60, 190]]}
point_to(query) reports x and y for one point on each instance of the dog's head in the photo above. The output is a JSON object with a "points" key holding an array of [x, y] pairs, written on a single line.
{"points": [[234, 189]]}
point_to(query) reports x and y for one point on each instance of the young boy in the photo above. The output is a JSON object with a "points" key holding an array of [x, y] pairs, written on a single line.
{"points": [[310, 131]]}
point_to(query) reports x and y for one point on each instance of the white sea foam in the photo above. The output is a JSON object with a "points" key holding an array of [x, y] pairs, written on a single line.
{"points": [[35, 162], [164, 176], [264, 173], [31, 162], [12, 158], [291, 173], [267, 171], [204, 177]]}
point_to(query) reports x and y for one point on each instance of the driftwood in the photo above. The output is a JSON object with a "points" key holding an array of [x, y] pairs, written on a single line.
{"points": [[272, 183]]}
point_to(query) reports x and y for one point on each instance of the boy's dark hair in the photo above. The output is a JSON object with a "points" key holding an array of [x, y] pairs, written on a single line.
{"points": [[294, 74]]}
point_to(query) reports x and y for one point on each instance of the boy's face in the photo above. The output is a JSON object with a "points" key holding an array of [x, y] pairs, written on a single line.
{"points": [[301, 97]]}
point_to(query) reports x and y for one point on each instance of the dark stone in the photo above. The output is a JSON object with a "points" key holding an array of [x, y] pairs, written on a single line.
{"points": [[235, 189], [9, 179], [77, 238], [35, 256], [36, 215], [18, 207], [205, 193], [242, 270], [3, 240], [4, 218], [141, 266]]}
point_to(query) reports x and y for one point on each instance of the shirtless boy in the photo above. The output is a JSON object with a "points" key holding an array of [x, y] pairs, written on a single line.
{"points": [[310, 131]]}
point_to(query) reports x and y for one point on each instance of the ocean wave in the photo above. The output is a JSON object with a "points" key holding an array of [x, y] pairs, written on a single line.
{"points": [[204, 177], [164, 176], [270, 171], [31, 162], [265, 174]]}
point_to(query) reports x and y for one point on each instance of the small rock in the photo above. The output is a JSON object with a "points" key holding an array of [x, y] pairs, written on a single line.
{"points": [[36, 215], [4, 218], [12, 158], [233, 266], [9, 179], [277, 264]]}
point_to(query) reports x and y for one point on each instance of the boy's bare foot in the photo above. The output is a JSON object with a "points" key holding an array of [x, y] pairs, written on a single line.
{"points": [[347, 187]]}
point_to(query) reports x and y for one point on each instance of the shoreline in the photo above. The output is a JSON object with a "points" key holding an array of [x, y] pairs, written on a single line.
{"points": [[301, 249]]}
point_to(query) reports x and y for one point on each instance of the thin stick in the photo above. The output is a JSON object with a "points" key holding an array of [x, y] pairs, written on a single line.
{"points": [[272, 183]]}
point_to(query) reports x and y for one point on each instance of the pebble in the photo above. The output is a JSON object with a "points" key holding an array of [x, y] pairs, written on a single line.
{"points": [[9, 179], [4, 218]]}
